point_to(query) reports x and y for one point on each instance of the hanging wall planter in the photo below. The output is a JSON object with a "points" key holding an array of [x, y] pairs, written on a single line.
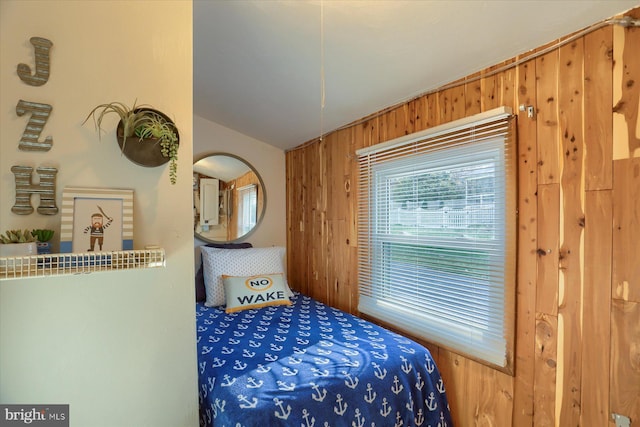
{"points": [[146, 152], [146, 136]]}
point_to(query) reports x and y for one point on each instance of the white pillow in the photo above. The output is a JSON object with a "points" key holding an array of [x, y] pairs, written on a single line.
{"points": [[245, 292], [238, 262]]}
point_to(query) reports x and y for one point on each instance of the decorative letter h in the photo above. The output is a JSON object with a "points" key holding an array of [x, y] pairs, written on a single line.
{"points": [[24, 189]]}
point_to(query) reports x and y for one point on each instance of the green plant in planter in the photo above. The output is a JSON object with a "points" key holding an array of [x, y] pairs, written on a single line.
{"points": [[130, 117], [155, 126], [43, 235], [17, 236], [145, 123]]}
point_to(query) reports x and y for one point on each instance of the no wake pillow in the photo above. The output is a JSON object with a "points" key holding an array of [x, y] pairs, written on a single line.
{"points": [[201, 293], [245, 262], [245, 292]]}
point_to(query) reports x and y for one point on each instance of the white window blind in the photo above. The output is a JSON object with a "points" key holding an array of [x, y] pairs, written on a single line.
{"points": [[436, 235], [248, 208]]}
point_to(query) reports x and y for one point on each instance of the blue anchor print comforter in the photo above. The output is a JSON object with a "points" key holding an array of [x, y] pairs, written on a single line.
{"points": [[311, 365]]}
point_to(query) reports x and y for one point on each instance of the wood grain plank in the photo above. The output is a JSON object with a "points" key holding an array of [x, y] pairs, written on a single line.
{"points": [[433, 110], [454, 372], [472, 95], [625, 359], [508, 85], [333, 171], [598, 91], [395, 123], [366, 134], [422, 113], [317, 218], [546, 362], [337, 259], [527, 250], [317, 261], [445, 105], [627, 90], [505, 85], [570, 101], [291, 164], [308, 156], [339, 253], [626, 229], [477, 394], [548, 249], [296, 261], [417, 110], [458, 101], [494, 389], [549, 158], [351, 190], [338, 172], [489, 89], [597, 308]]}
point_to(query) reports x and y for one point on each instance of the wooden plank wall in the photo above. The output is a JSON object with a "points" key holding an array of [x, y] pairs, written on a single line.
{"points": [[578, 276]]}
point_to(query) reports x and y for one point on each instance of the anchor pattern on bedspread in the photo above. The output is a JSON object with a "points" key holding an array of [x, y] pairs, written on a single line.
{"points": [[311, 365]]}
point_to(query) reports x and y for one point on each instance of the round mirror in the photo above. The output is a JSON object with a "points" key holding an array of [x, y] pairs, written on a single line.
{"points": [[229, 198]]}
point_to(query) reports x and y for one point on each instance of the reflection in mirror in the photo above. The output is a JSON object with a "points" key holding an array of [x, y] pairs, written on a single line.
{"points": [[228, 198]]}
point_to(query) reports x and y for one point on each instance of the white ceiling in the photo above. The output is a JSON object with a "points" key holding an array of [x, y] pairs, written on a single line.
{"points": [[258, 64], [221, 166]]}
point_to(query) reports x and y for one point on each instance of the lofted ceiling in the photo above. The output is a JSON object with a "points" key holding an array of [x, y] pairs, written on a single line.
{"points": [[260, 66]]}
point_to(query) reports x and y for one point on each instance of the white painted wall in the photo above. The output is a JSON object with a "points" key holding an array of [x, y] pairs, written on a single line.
{"points": [[118, 347], [269, 161]]}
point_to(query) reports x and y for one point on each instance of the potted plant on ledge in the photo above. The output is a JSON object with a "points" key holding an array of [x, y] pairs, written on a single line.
{"points": [[146, 136], [43, 236], [17, 243]]}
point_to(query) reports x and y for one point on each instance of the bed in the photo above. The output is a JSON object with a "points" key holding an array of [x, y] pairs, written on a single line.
{"points": [[303, 363]]}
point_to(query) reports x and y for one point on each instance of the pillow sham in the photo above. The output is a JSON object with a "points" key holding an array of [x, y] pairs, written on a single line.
{"points": [[246, 262], [245, 292], [201, 293]]}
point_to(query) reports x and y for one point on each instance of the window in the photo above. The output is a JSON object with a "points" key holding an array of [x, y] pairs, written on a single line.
{"points": [[247, 208], [436, 235]]}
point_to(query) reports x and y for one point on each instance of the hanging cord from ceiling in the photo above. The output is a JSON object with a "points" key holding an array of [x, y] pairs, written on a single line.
{"points": [[625, 21], [322, 82]]}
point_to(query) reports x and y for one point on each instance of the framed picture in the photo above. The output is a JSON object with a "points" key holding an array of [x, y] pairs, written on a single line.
{"points": [[96, 220]]}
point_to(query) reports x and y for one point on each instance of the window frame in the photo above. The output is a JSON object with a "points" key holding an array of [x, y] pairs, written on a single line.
{"points": [[436, 145]]}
